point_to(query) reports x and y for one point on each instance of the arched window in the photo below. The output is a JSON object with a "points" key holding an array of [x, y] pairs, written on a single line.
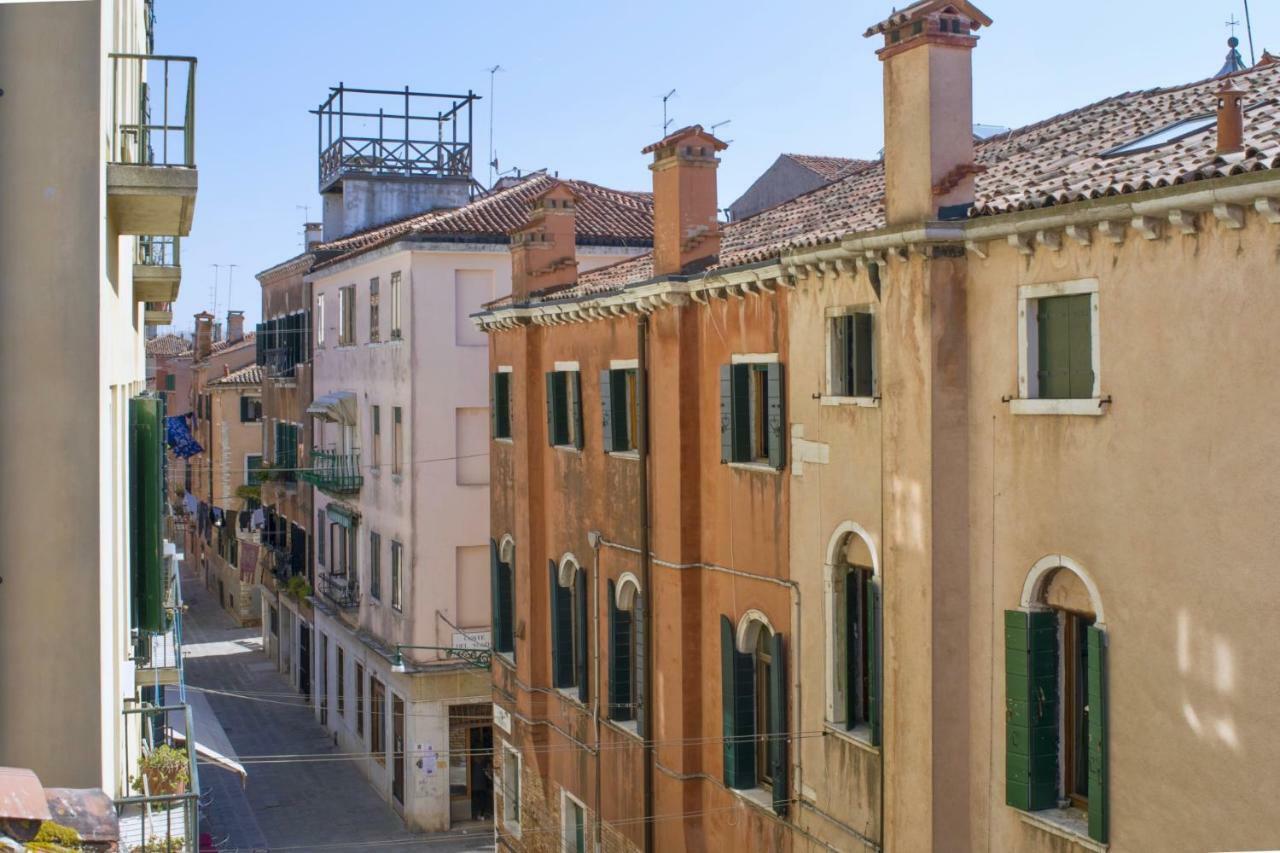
{"points": [[624, 647], [569, 625], [502, 592], [754, 703], [853, 633], [1055, 677]]}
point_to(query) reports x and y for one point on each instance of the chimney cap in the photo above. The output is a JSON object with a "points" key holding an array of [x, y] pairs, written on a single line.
{"points": [[204, 315], [693, 130], [924, 8]]}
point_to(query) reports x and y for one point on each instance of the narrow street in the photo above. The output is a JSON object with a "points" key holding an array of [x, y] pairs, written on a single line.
{"points": [[299, 802]]}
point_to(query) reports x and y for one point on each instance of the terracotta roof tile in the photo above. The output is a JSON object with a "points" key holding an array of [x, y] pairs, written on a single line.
{"points": [[604, 216], [829, 168], [167, 345], [248, 375]]}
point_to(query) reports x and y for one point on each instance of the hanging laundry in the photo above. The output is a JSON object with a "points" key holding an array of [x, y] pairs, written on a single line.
{"points": [[259, 519], [177, 434]]}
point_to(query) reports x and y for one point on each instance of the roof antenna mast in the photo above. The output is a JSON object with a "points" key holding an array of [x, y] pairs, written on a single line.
{"points": [[666, 122], [1248, 28], [493, 155]]}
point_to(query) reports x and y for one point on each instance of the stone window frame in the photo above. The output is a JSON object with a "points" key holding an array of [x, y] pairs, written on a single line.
{"points": [[1026, 402]]}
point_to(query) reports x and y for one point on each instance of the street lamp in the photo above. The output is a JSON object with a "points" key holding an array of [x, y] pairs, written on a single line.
{"points": [[479, 658]]}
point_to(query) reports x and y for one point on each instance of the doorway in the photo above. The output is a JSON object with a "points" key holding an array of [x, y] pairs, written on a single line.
{"points": [[304, 659], [470, 762], [397, 746]]}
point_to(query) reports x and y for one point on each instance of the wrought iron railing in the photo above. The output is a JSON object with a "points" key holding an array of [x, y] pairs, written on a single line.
{"points": [[163, 812], [153, 100], [367, 155], [342, 590], [280, 362], [334, 472], [158, 252]]}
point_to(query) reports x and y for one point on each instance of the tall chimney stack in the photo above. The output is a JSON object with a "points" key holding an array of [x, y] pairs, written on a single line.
{"points": [[1230, 118], [686, 230], [928, 109], [235, 327], [313, 233], [204, 336], [544, 254]]}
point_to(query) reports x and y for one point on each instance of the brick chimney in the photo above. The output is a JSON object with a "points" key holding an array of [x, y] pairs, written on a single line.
{"points": [[235, 326], [204, 335], [544, 250], [928, 109], [1230, 118], [313, 233], [686, 230]]}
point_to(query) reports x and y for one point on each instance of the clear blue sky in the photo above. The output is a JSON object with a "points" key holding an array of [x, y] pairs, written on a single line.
{"points": [[583, 83]]}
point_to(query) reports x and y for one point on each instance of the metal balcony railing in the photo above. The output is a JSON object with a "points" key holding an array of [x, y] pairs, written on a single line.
{"points": [[342, 590], [334, 472], [152, 819], [157, 252], [153, 99]]}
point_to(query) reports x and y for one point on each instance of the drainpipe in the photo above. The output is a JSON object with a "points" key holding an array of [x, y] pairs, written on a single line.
{"points": [[646, 580], [593, 537]]}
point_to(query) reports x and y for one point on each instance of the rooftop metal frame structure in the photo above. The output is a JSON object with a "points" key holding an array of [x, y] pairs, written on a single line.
{"points": [[386, 133]]}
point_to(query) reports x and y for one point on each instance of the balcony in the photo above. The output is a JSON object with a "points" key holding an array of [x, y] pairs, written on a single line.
{"points": [[157, 269], [341, 590], [159, 815], [157, 653], [334, 472], [280, 362], [157, 314], [151, 170]]}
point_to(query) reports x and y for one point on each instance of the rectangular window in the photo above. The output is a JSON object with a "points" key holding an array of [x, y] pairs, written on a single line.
{"points": [[319, 319], [252, 465], [395, 306], [376, 455], [564, 408], [377, 720], [170, 382], [1075, 708], [375, 566], [397, 592], [619, 407], [250, 409], [360, 699], [510, 788], [851, 346], [500, 405], [324, 679], [397, 440], [471, 462], [574, 819], [374, 331], [502, 604], [347, 315], [1058, 356], [342, 679], [752, 413]]}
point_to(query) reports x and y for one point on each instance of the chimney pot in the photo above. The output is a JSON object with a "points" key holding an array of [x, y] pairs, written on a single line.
{"points": [[204, 335], [686, 227], [1230, 119], [235, 326], [544, 251]]}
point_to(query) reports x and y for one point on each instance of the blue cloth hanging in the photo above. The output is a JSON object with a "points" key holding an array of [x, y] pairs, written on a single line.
{"points": [[178, 436]]}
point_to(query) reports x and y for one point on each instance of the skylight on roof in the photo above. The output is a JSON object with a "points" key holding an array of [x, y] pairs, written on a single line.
{"points": [[1171, 133]]}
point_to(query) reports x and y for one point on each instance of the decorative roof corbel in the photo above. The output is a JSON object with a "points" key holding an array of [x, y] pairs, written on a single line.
{"points": [[1230, 215], [1148, 226], [1270, 208], [1022, 242], [1081, 234], [977, 248], [1050, 239], [1183, 220], [1113, 230]]}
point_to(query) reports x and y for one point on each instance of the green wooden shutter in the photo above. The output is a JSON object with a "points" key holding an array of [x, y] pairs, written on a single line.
{"points": [[551, 408], [853, 644], [735, 745], [606, 410], [1080, 326], [864, 355], [742, 413], [1054, 329], [1031, 714], [638, 664], [1099, 808], [838, 354], [575, 406], [726, 413], [493, 405], [871, 625], [259, 339], [777, 729], [620, 653], [146, 506], [562, 663], [776, 408], [495, 597], [508, 573], [583, 637]]}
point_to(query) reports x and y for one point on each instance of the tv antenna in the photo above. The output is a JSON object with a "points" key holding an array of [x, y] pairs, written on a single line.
{"points": [[231, 280], [213, 293], [666, 122], [721, 124], [493, 155], [1248, 28]]}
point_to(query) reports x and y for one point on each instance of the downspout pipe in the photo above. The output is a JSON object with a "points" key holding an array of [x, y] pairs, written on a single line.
{"points": [[593, 537], [646, 580]]}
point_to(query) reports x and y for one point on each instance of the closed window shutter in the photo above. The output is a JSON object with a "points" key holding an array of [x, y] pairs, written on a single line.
{"points": [[778, 725], [493, 405], [620, 653], [728, 707], [737, 680], [743, 413], [864, 356], [551, 409], [562, 663], [1065, 347], [583, 638], [1080, 325], [838, 352], [259, 338], [871, 625], [146, 506], [776, 412], [606, 410], [1099, 808], [575, 407], [853, 610], [495, 598], [637, 677], [1031, 715], [507, 589], [726, 413]]}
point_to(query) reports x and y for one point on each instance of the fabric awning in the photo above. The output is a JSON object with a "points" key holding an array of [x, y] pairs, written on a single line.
{"points": [[341, 515], [211, 742], [337, 406]]}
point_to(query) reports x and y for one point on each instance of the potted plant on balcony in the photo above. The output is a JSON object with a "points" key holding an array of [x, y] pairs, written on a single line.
{"points": [[298, 588], [164, 770]]}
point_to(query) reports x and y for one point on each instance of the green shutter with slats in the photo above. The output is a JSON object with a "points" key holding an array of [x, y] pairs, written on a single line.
{"points": [[863, 357], [581, 635], [1031, 714], [838, 357], [1080, 325], [775, 412], [574, 381], [551, 408], [620, 672], [562, 663], [1065, 346], [737, 702], [1099, 810], [637, 690], [874, 642], [853, 640], [495, 598], [606, 410], [507, 571], [778, 733], [743, 413], [146, 507], [726, 413]]}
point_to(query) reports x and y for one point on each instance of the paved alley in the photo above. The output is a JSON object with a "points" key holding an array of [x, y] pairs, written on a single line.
{"points": [[299, 803]]}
